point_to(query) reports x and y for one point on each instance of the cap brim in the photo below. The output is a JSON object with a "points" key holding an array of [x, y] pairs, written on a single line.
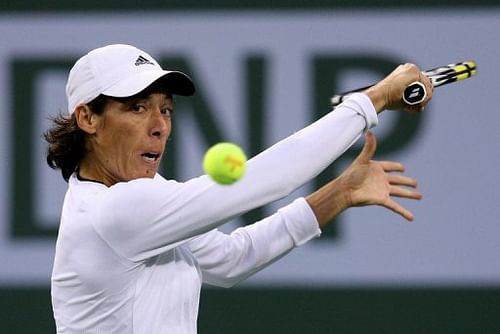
{"points": [[175, 82]]}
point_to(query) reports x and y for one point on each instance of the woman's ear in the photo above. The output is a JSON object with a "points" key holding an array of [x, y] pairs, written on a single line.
{"points": [[86, 119]]}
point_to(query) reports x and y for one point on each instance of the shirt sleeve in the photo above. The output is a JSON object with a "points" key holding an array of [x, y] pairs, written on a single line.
{"points": [[228, 259], [146, 217]]}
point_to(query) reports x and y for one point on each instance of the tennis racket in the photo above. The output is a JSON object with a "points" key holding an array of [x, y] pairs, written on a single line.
{"points": [[415, 93]]}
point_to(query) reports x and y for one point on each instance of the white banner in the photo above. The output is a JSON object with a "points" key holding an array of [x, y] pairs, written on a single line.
{"points": [[455, 157]]}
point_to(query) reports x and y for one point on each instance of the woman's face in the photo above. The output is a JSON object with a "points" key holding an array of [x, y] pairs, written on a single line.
{"points": [[130, 138]]}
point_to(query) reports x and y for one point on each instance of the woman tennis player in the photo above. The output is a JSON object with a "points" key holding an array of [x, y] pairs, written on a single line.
{"points": [[134, 248]]}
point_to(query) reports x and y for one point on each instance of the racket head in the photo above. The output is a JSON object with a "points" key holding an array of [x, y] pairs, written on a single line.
{"points": [[451, 73]]}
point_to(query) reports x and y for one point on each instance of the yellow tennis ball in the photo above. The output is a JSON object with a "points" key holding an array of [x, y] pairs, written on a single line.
{"points": [[225, 163]]}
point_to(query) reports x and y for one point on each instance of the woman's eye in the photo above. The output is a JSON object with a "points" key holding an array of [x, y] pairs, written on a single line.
{"points": [[167, 111], [139, 108]]}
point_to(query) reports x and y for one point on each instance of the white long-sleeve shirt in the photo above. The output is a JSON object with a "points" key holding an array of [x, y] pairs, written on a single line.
{"points": [[131, 258]]}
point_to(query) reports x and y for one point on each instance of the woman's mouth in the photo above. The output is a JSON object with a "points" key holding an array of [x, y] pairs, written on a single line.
{"points": [[151, 156]]}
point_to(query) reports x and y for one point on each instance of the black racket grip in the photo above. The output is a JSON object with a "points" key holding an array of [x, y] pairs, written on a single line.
{"points": [[415, 93]]}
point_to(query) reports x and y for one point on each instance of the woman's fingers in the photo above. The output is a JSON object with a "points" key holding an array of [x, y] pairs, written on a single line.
{"points": [[401, 180], [369, 148], [391, 166], [404, 192], [399, 209]]}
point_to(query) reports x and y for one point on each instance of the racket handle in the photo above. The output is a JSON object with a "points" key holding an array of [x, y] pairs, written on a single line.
{"points": [[415, 93]]}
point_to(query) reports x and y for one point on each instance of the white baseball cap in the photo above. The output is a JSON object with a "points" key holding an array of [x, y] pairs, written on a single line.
{"points": [[119, 70]]}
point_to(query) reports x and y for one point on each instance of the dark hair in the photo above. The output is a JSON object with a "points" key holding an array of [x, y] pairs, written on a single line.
{"points": [[67, 141]]}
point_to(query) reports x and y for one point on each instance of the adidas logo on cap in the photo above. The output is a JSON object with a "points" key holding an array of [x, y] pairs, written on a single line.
{"points": [[142, 61]]}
